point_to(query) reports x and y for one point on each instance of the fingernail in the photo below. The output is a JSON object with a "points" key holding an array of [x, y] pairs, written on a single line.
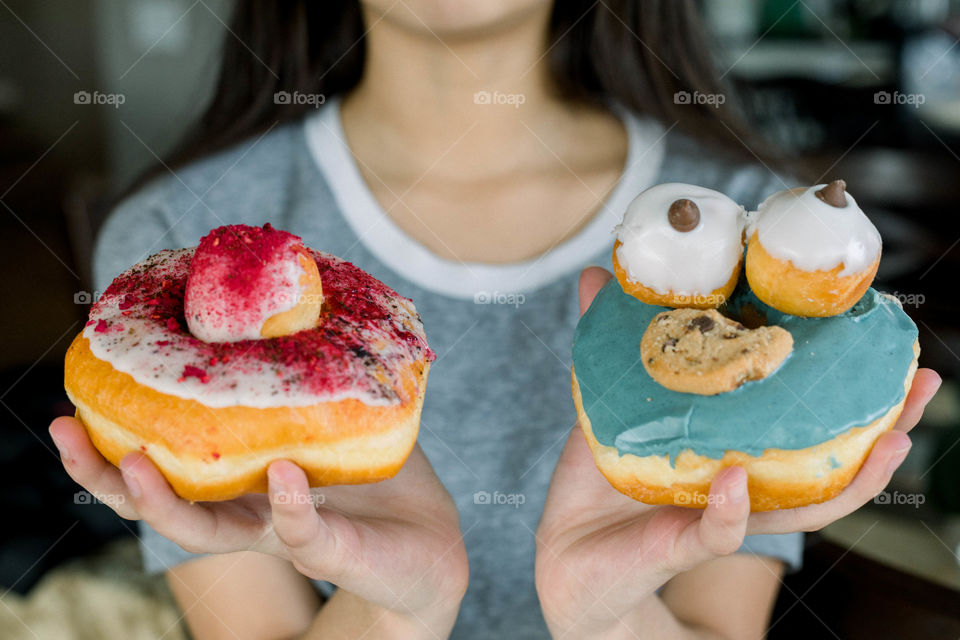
{"points": [[276, 483], [133, 485], [62, 448], [939, 382], [737, 491]]}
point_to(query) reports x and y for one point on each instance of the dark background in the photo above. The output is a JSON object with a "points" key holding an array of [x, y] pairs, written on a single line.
{"points": [[868, 91]]}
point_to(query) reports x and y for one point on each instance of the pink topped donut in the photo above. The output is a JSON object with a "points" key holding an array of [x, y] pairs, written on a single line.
{"points": [[217, 360]]}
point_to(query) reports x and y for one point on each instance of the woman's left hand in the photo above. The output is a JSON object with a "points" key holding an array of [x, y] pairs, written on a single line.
{"points": [[601, 555]]}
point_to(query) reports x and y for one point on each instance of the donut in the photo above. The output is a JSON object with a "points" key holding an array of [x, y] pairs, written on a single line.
{"points": [[667, 398], [812, 251], [680, 245], [217, 360]]}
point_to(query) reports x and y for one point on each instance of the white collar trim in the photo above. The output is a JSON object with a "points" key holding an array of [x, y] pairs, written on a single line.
{"points": [[465, 280]]}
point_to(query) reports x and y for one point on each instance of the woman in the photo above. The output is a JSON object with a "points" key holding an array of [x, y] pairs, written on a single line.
{"points": [[475, 157]]}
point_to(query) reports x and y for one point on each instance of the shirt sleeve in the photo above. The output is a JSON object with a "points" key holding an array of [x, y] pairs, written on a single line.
{"points": [[786, 547], [160, 554]]}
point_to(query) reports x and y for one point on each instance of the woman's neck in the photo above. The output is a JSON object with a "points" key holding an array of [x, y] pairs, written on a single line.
{"points": [[421, 95], [462, 141]]}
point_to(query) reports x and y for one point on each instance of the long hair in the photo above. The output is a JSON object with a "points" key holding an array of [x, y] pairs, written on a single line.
{"points": [[642, 54]]}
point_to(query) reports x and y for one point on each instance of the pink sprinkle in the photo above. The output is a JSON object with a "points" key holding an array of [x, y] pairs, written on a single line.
{"points": [[101, 326], [190, 371], [172, 324]]}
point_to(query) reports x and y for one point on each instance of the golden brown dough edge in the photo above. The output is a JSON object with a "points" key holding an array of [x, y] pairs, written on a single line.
{"points": [[777, 479], [220, 453]]}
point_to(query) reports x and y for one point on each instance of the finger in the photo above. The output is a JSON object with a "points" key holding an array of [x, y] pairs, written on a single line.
{"points": [[721, 528], [192, 525], [310, 543], [888, 453], [89, 469], [592, 280], [925, 385]]}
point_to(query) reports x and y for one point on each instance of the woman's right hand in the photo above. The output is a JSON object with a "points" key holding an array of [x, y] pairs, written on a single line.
{"points": [[395, 544]]}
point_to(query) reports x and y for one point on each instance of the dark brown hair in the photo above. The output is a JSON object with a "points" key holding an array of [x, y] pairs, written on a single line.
{"points": [[639, 53]]}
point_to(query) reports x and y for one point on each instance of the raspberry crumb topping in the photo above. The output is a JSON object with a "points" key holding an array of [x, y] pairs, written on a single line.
{"points": [[367, 334]]}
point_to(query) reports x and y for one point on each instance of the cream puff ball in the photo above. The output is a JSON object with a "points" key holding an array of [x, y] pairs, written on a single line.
{"points": [[680, 245], [812, 251]]}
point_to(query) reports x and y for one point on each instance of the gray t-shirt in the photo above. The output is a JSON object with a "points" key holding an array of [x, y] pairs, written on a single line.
{"points": [[498, 406]]}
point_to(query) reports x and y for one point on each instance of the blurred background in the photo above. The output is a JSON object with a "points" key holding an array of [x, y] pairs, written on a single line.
{"points": [[92, 93]]}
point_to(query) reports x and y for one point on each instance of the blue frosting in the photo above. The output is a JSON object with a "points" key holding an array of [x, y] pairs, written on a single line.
{"points": [[845, 371]]}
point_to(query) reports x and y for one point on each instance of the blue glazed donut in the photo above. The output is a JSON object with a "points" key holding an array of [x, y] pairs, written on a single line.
{"points": [[802, 433]]}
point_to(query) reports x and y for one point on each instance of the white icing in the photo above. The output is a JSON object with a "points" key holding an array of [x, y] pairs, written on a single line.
{"points": [[689, 263], [798, 226], [157, 357]]}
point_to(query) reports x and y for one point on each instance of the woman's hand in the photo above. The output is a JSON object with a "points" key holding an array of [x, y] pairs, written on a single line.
{"points": [[601, 555], [396, 544]]}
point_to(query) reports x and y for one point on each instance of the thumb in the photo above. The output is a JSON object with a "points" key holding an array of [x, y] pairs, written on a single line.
{"points": [[592, 280]]}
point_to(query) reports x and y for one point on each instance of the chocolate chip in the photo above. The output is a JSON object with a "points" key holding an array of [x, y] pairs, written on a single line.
{"points": [[729, 336], [834, 194], [684, 215], [703, 323], [669, 342]]}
